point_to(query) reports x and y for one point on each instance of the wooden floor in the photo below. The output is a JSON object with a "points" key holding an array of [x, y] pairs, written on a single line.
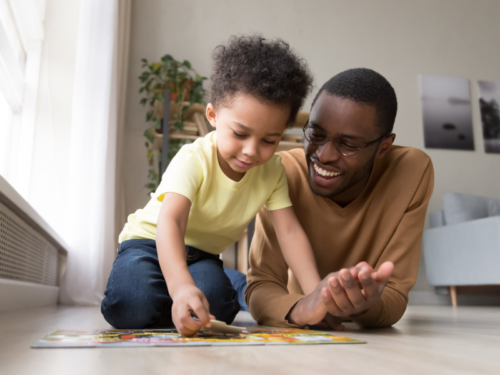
{"points": [[428, 340]]}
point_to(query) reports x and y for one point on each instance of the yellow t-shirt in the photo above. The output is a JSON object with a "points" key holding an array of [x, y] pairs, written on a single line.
{"points": [[220, 207]]}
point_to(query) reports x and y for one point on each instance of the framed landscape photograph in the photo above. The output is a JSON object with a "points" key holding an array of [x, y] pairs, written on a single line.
{"points": [[447, 112], [489, 100]]}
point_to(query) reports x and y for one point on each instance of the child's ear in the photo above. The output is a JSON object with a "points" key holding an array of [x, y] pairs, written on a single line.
{"points": [[211, 115]]}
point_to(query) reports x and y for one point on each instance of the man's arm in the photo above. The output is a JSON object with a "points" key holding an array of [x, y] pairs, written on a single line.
{"points": [[408, 236]]}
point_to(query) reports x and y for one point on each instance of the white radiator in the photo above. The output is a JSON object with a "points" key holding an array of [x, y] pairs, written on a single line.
{"points": [[32, 256]]}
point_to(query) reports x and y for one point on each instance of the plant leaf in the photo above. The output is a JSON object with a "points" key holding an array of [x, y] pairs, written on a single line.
{"points": [[156, 66]]}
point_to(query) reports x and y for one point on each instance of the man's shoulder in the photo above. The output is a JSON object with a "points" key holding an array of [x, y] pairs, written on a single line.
{"points": [[408, 154], [294, 158], [294, 162], [403, 158], [404, 169]]}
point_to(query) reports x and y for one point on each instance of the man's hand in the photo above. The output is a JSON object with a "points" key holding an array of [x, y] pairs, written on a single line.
{"points": [[340, 297], [189, 299], [330, 322], [353, 292]]}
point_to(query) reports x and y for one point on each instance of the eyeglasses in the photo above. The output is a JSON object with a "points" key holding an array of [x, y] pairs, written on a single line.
{"points": [[345, 146]]}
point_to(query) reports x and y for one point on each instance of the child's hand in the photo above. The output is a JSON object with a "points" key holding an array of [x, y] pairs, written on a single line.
{"points": [[189, 299]]}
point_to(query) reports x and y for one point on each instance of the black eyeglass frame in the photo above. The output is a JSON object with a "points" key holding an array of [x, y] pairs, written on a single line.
{"points": [[336, 140]]}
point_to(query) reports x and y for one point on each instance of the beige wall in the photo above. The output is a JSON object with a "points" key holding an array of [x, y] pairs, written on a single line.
{"points": [[400, 39]]}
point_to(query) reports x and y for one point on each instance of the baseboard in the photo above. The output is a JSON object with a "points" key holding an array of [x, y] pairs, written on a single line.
{"points": [[16, 295], [431, 298], [427, 298]]}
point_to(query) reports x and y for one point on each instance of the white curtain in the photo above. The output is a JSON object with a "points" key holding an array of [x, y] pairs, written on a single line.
{"points": [[97, 108]]}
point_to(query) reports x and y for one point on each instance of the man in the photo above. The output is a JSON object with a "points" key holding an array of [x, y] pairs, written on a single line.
{"points": [[362, 203]]}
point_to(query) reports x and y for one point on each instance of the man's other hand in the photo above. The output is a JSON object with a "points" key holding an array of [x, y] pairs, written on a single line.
{"points": [[350, 293], [343, 294]]}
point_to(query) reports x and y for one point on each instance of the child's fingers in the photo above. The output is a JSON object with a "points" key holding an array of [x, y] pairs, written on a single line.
{"points": [[187, 325], [207, 308], [201, 312]]}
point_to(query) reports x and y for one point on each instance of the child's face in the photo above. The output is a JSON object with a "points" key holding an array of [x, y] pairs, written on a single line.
{"points": [[248, 133]]}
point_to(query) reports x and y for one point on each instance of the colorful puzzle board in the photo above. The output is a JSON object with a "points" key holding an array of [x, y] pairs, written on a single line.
{"points": [[170, 337]]}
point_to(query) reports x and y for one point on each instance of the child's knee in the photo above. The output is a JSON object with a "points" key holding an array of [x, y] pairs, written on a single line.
{"points": [[124, 311], [137, 311]]}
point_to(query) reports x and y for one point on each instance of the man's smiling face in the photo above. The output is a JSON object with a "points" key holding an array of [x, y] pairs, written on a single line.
{"points": [[331, 174]]}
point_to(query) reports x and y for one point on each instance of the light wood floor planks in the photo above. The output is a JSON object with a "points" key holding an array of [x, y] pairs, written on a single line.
{"points": [[428, 340]]}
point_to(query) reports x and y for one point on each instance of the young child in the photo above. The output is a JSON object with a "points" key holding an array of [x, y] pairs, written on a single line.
{"points": [[168, 267]]}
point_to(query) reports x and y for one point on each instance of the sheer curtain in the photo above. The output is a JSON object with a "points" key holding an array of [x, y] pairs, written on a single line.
{"points": [[97, 107], [21, 38]]}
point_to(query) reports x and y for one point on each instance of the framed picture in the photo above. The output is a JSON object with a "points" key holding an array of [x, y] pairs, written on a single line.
{"points": [[447, 112], [489, 100]]}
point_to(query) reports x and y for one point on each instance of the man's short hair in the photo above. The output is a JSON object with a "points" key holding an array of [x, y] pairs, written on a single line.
{"points": [[369, 87]]}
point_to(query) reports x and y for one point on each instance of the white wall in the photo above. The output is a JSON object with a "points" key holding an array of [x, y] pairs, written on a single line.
{"points": [[400, 39]]}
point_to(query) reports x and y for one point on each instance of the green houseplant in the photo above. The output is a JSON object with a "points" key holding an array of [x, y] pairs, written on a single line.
{"points": [[186, 88]]}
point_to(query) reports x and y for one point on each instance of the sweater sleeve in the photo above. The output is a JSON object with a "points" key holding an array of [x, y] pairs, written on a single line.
{"points": [[404, 251]]}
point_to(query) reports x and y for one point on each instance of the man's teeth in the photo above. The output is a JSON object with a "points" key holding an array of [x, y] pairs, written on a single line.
{"points": [[322, 172]]}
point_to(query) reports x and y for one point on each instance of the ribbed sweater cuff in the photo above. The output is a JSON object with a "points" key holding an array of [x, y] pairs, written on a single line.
{"points": [[284, 306]]}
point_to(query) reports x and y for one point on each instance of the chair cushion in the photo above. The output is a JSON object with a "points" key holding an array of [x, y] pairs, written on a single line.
{"points": [[459, 208], [436, 219]]}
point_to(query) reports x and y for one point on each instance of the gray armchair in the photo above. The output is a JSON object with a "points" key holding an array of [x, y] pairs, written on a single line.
{"points": [[462, 246]]}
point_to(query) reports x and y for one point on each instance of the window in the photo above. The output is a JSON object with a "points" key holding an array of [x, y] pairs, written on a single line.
{"points": [[21, 37], [6, 119]]}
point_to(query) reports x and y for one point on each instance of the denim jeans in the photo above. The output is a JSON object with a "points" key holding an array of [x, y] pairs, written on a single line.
{"points": [[137, 295]]}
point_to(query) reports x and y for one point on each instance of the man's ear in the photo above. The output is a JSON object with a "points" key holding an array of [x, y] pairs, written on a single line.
{"points": [[385, 146], [211, 115]]}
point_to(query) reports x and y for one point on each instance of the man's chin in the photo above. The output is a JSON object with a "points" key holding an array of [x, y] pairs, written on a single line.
{"points": [[322, 191]]}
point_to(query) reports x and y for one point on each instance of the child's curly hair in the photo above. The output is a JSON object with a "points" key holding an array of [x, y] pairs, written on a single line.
{"points": [[266, 69]]}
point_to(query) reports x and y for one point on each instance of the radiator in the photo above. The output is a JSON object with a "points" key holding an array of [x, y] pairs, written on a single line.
{"points": [[32, 256]]}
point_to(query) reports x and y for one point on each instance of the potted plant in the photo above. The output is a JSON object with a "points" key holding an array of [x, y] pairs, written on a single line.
{"points": [[186, 88]]}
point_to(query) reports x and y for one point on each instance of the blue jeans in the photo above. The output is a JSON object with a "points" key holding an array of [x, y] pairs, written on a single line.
{"points": [[137, 295]]}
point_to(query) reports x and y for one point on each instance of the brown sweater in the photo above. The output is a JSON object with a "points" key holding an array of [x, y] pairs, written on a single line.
{"points": [[384, 223]]}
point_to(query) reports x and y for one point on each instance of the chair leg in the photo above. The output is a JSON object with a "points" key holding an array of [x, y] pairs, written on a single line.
{"points": [[453, 293]]}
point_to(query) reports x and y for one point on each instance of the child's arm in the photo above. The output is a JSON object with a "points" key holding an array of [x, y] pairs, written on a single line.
{"points": [[296, 248], [171, 227]]}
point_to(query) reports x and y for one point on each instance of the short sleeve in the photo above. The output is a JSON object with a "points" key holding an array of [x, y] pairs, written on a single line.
{"points": [[183, 176], [279, 198]]}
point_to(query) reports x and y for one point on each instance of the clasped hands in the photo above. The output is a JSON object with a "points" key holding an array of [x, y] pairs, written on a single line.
{"points": [[344, 294]]}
